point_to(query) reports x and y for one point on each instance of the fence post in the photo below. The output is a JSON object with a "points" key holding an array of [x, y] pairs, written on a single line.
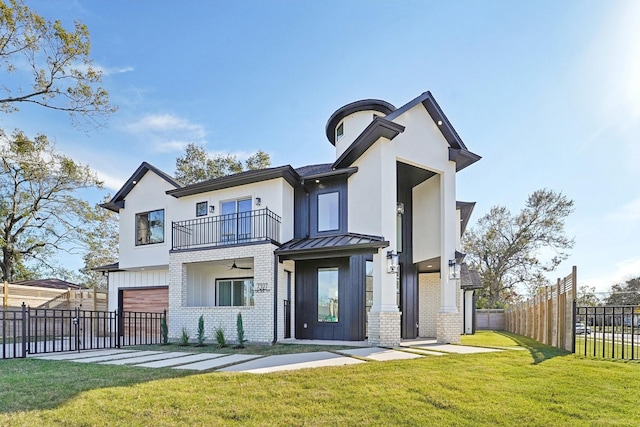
{"points": [[24, 330]]}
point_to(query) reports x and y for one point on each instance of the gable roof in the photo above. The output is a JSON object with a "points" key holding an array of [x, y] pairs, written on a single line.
{"points": [[117, 201], [242, 178]]}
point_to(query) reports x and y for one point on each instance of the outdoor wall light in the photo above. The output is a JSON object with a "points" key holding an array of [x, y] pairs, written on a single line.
{"points": [[258, 201], [454, 269], [392, 262], [212, 209], [400, 208], [439, 122]]}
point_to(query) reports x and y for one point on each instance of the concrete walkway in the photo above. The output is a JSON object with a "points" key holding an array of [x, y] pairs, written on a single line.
{"points": [[257, 364]]}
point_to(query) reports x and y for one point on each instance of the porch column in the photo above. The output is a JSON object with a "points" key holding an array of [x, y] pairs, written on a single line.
{"points": [[449, 324], [384, 317]]}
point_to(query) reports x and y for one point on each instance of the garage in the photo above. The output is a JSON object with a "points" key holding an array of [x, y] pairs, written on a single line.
{"points": [[147, 300]]}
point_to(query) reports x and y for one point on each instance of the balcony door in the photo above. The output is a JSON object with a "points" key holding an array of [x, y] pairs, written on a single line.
{"points": [[236, 220]]}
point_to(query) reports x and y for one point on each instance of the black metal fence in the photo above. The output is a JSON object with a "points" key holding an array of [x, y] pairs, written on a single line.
{"points": [[36, 330], [243, 227], [607, 331]]}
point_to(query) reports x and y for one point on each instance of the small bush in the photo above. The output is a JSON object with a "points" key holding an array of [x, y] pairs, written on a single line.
{"points": [[164, 329], [221, 340], [241, 338], [200, 337], [184, 338]]}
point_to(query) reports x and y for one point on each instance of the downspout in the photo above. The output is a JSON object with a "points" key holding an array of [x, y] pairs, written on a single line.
{"points": [[275, 299]]}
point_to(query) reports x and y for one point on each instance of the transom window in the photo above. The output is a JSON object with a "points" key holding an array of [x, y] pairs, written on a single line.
{"points": [[328, 211], [150, 227]]}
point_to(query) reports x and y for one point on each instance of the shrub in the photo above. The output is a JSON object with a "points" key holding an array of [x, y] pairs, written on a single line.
{"points": [[221, 340], [241, 338], [200, 337], [164, 329], [184, 338]]}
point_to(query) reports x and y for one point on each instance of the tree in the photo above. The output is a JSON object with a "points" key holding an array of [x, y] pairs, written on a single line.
{"points": [[100, 243], [506, 249], [587, 296], [50, 65], [627, 293], [39, 212], [197, 166]]}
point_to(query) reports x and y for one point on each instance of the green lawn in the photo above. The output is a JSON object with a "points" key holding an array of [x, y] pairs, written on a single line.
{"points": [[539, 386]]}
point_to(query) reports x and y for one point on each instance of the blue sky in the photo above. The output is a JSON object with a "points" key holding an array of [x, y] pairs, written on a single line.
{"points": [[547, 92]]}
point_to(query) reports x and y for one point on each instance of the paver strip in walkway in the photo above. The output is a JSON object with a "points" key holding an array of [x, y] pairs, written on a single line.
{"points": [[379, 354], [421, 351], [288, 362], [116, 356], [217, 362], [80, 355], [180, 360], [460, 349], [148, 358]]}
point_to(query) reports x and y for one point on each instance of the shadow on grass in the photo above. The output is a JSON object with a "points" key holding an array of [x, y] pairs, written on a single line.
{"points": [[539, 352], [34, 384]]}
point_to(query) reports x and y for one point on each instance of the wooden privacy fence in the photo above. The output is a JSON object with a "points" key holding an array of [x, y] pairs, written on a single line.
{"points": [[548, 316], [490, 319], [34, 296]]}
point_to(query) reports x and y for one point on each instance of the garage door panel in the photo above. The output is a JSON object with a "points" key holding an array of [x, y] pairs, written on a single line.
{"points": [[155, 300]]}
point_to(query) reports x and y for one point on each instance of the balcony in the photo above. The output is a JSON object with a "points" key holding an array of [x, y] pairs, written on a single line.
{"points": [[239, 228]]}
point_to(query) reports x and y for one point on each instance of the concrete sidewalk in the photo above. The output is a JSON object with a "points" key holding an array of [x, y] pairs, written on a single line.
{"points": [[258, 364]]}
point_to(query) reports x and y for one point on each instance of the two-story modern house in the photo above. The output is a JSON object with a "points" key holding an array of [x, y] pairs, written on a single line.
{"points": [[363, 248]]}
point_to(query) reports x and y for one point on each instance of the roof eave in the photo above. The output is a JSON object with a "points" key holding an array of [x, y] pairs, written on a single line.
{"points": [[462, 157], [379, 128]]}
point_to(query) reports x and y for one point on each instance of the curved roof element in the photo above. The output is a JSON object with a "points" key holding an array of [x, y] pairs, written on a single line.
{"points": [[364, 105]]}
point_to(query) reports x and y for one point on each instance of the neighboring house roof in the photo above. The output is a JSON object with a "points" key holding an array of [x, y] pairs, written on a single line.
{"points": [[49, 283], [303, 171], [108, 268], [242, 178], [337, 245], [364, 105], [117, 202], [469, 279]]}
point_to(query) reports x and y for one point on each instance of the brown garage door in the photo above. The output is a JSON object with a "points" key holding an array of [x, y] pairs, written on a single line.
{"points": [[155, 300]]}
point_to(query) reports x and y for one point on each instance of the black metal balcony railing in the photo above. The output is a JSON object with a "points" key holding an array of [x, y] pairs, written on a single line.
{"points": [[243, 227]]}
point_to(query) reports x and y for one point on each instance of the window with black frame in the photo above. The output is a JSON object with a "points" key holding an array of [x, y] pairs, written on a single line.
{"points": [[150, 227]]}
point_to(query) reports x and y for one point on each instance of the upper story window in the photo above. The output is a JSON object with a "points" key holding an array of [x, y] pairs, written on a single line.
{"points": [[201, 209], [328, 211], [340, 131], [150, 227]]}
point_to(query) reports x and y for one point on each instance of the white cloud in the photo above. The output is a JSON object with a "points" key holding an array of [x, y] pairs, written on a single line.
{"points": [[110, 182], [622, 271], [167, 132], [106, 71]]}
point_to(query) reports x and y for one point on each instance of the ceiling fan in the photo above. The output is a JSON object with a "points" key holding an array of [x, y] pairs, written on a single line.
{"points": [[234, 266]]}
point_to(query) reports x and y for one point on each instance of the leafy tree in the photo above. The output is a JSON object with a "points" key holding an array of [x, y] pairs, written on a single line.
{"points": [[627, 293], [587, 296], [100, 243], [51, 66], [197, 166], [39, 211], [506, 249]]}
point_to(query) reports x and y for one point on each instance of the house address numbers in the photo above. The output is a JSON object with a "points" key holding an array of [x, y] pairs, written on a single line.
{"points": [[261, 287]]}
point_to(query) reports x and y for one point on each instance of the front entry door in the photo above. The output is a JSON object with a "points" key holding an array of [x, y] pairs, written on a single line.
{"points": [[328, 305]]}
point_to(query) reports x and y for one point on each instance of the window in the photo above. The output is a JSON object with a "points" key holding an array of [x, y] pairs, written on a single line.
{"points": [[234, 292], [340, 131], [201, 209], [150, 227], [236, 220], [328, 211], [328, 294], [368, 295]]}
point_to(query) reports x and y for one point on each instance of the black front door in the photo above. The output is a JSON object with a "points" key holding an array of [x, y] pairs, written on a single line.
{"points": [[329, 304]]}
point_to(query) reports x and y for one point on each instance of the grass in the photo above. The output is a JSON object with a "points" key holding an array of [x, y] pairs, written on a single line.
{"points": [[541, 386], [594, 346], [264, 350]]}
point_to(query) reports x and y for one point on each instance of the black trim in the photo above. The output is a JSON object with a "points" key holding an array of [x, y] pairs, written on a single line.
{"points": [[330, 246], [364, 105], [462, 157], [242, 178], [333, 173], [466, 208], [275, 299], [379, 128], [117, 202], [231, 245]]}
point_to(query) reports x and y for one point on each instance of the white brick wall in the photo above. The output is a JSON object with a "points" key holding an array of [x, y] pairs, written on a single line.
{"points": [[384, 328], [257, 320], [429, 303], [449, 327]]}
